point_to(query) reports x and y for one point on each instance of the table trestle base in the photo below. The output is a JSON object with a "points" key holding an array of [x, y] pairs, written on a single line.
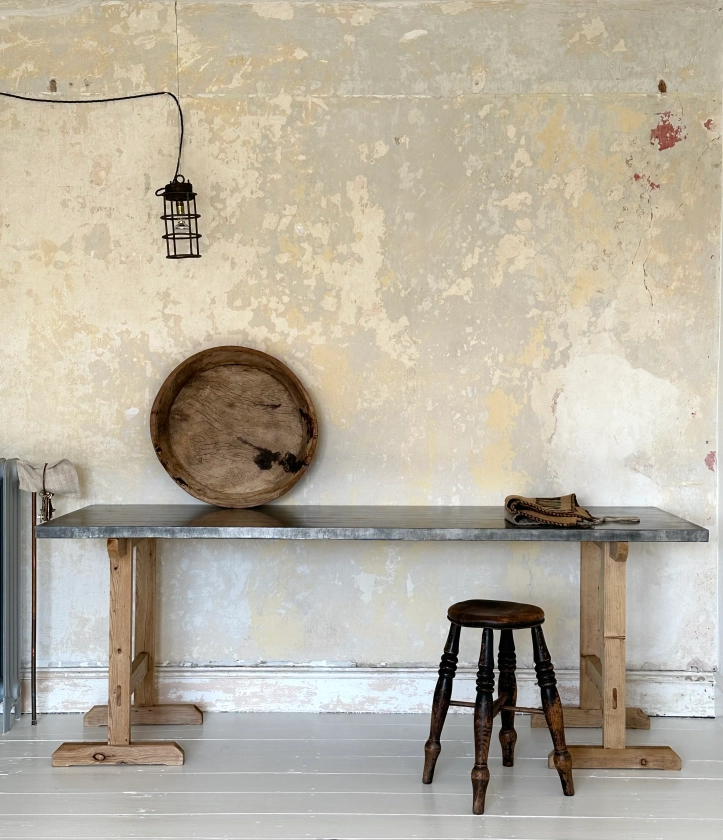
{"points": [[628, 758], [131, 670], [575, 717], [167, 714], [71, 754]]}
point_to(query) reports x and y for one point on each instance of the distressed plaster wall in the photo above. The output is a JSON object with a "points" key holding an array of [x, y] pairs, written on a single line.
{"points": [[477, 231]]}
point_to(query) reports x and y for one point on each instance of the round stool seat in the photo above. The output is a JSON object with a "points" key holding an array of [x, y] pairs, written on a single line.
{"points": [[502, 615]]}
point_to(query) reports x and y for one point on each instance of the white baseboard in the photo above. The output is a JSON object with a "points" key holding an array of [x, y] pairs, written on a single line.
{"points": [[343, 689]]}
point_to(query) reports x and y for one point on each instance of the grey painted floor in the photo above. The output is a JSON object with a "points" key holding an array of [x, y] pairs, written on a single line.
{"points": [[352, 776]]}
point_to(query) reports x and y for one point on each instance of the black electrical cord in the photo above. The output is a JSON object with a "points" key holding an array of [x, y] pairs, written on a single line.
{"points": [[110, 99]]}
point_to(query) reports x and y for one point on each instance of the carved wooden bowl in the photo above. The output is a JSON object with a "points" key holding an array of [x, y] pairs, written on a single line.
{"points": [[234, 427]]}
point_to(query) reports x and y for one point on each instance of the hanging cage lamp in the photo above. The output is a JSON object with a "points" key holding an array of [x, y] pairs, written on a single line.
{"points": [[181, 219], [179, 199]]}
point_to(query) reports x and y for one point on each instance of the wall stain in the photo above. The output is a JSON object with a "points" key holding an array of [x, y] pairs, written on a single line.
{"points": [[665, 133]]}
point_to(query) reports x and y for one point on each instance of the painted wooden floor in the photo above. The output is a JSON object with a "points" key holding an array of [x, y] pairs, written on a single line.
{"points": [[352, 776]]}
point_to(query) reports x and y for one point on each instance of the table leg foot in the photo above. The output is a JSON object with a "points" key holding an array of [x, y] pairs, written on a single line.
{"points": [[140, 752], [592, 718], [168, 714], [629, 758]]}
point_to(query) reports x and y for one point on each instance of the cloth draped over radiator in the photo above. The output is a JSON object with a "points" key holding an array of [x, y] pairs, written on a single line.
{"points": [[560, 511], [48, 479]]}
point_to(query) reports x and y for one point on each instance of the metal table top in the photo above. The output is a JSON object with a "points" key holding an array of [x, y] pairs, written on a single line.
{"points": [[354, 522]]}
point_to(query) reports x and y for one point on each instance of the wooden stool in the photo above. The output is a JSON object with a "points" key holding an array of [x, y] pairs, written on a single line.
{"points": [[505, 616]]}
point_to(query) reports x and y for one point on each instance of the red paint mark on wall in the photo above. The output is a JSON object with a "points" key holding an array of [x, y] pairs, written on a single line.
{"points": [[710, 460], [665, 133], [645, 178], [709, 124]]}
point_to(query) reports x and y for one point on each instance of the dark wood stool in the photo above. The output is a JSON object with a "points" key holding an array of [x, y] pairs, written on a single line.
{"points": [[505, 616]]}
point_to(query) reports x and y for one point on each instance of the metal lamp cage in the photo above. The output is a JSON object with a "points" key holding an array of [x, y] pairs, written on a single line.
{"points": [[181, 219]]}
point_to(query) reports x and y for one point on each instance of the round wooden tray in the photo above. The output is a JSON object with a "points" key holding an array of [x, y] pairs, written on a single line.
{"points": [[234, 427]]}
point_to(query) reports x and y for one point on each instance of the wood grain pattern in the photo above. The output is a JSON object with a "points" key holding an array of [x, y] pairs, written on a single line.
{"points": [[234, 427], [613, 658], [592, 718], [120, 553], [628, 758], [590, 622], [145, 631], [139, 669], [141, 752], [165, 714]]}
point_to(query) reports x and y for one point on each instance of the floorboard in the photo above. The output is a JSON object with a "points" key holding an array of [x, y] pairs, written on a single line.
{"points": [[351, 777]]}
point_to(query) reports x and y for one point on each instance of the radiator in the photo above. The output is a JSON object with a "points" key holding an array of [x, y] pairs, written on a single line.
{"points": [[9, 592]]}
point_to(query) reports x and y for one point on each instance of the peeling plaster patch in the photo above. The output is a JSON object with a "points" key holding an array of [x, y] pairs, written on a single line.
{"points": [[591, 31], [131, 412], [455, 7], [646, 178], [357, 279], [379, 150], [479, 80], [471, 259], [710, 460], [462, 288], [366, 583], [363, 16], [521, 161], [515, 201], [283, 101], [620, 46], [299, 54], [411, 36], [665, 133], [575, 184], [513, 253], [274, 11]]}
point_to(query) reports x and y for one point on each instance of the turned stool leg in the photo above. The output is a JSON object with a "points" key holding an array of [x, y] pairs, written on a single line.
{"points": [[552, 708], [440, 704], [483, 721], [506, 662]]}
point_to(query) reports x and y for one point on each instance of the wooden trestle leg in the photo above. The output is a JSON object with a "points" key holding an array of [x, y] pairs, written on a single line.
{"points": [[602, 668], [126, 675]]}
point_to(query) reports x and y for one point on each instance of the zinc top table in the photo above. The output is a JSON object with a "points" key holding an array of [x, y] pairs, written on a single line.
{"points": [[603, 555]]}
